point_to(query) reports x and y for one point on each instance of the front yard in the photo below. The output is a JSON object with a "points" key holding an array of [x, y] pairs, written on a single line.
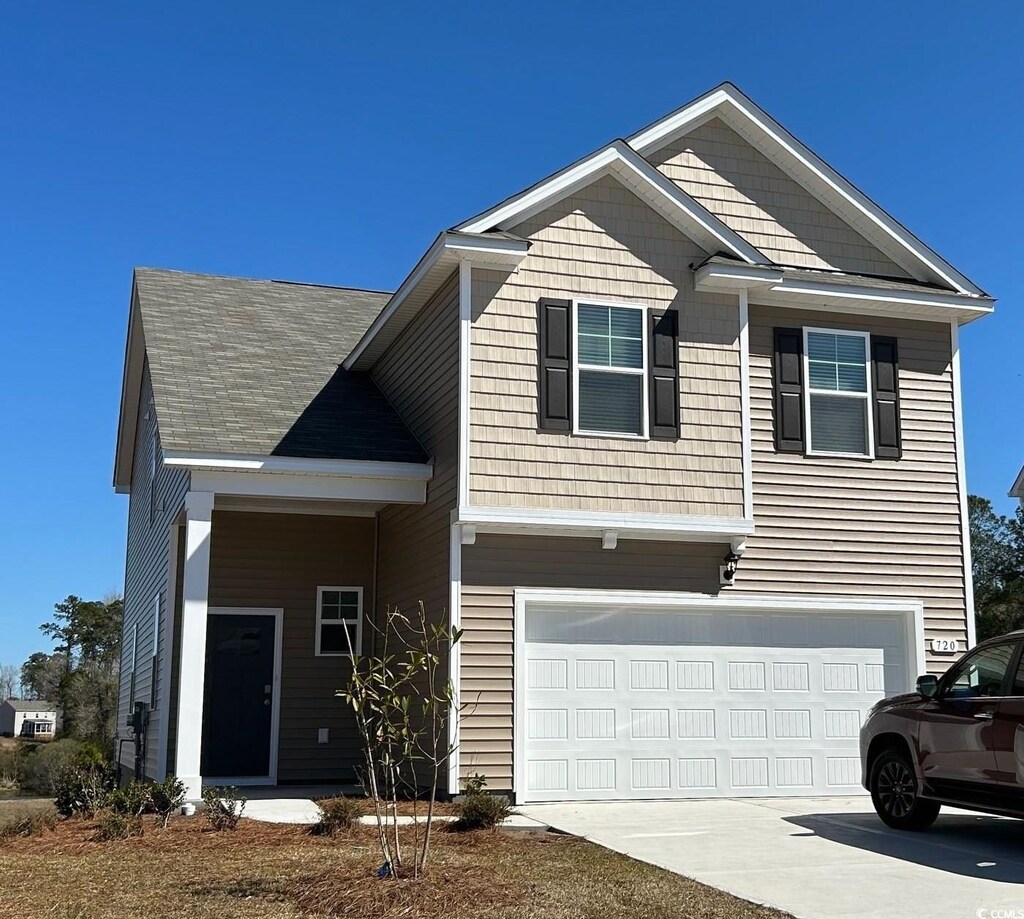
{"points": [[263, 870]]}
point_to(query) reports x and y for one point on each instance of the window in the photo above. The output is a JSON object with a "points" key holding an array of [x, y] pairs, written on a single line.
{"points": [[339, 620], [980, 675], [838, 393], [1018, 681], [611, 370]]}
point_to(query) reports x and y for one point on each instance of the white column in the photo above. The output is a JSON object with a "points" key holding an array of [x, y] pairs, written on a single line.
{"points": [[191, 676]]}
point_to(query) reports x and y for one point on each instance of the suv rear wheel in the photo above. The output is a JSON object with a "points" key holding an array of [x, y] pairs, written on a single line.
{"points": [[894, 794]]}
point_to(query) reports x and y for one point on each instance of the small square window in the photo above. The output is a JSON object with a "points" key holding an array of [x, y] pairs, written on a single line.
{"points": [[339, 621]]}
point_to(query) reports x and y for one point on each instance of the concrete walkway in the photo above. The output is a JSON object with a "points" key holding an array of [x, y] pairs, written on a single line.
{"points": [[819, 858]]}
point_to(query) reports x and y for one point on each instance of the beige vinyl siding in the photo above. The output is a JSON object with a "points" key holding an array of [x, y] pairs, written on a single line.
{"points": [[277, 561], [756, 199], [495, 566], [848, 527], [146, 561], [603, 243]]}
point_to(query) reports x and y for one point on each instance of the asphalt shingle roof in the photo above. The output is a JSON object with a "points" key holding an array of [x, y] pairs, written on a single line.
{"points": [[30, 705], [246, 366]]}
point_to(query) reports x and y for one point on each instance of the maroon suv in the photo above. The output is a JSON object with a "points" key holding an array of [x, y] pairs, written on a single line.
{"points": [[958, 740]]}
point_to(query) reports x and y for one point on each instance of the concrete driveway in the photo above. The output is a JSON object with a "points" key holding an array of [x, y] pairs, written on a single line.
{"points": [[820, 858]]}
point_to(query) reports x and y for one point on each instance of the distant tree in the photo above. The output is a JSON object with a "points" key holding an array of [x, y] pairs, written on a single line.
{"points": [[41, 675], [8, 681], [997, 552]]}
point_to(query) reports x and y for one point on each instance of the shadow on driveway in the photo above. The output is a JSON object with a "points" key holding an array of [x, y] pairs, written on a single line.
{"points": [[973, 846]]}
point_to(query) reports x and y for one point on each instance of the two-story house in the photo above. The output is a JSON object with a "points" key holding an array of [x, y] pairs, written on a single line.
{"points": [[674, 435]]}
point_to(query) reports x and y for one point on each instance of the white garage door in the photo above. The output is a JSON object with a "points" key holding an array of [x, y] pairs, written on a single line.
{"points": [[631, 703]]}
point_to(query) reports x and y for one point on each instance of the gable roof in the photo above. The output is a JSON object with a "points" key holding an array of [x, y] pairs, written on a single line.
{"points": [[758, 128], [1017, 489], [243, 366], [31, 705]]}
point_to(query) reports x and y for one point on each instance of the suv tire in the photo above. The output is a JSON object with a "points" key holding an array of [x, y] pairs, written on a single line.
{"points": [[894, 793]]}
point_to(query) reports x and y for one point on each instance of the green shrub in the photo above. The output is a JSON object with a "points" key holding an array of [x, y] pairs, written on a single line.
{"points": [[223, 807], [337, 815], [166, 797], [30, 824], [474, 784], [41, 765], [82, 789], [131, 800], [111, 825], [481, 811]]}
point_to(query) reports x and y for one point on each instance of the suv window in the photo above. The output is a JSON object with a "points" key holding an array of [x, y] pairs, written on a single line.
{"points": [[1017, 689], [979, 675]]}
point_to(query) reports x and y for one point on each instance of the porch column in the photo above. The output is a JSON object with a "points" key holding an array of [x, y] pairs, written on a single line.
{"points": [[192, 671]]}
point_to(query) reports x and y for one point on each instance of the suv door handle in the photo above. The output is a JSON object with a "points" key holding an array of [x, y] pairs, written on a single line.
{"points": [[984, 716]]}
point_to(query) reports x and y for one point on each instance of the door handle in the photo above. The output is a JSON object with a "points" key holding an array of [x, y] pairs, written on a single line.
{"points": [[984, 716]]}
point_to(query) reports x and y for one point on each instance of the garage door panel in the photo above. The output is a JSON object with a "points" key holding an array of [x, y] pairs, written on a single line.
{"points": [[643, 717]]}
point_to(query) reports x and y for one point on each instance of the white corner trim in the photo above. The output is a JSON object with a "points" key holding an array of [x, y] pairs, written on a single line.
{"points": [[784, 149], [911, 609], [1017, 489], [275, 713], [961, 479], [746, 433], [622, 160], [465, 356], [455, 656], [544, 522], [253, 462]]}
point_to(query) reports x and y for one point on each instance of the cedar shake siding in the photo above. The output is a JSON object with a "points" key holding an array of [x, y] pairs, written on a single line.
{"points": [[830, 526], [756, 199], [495, 566], [419, 374], [278, 561], [606, 244], [146, 576]]}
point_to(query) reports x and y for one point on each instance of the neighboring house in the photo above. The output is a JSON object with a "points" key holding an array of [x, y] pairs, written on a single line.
{"points": [[674, 435], [28, 718], [1017, 491]]}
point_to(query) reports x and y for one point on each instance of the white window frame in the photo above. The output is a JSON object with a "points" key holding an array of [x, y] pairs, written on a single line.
{"points": [[320, 622], [642, 372], [867, 395]]}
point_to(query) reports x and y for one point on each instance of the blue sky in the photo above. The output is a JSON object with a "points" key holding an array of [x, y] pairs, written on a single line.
{"points": [[329, 142]]}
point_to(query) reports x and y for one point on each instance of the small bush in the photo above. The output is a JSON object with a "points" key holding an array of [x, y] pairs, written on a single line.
{"points": [[474, 784], [165, 798], [82, 789], [111, 825], [337, 815], [481, 811], [32, 824], [223, 807], [131, 800]]}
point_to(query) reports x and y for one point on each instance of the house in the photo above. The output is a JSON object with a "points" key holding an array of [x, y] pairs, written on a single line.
{"points": [[28, 718], [1017, 491], [674, 435]]}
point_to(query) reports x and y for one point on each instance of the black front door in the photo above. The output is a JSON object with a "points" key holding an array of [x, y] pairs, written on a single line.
{"points": [[238, 700]]}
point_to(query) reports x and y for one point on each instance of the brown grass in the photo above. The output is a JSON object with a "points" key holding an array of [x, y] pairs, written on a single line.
{"points": [[266, 871]]}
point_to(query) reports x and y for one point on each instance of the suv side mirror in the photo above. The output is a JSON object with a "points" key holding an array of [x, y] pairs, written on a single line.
{"points": [[928, 685]]}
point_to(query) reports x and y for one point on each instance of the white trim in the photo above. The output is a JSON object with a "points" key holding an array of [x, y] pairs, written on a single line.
{"points": [[275, 713], [465, 356], [443, 255], [864, 397], [642, 372], [1017, 489], [913, 610], [156, 631], [961, 479], [252, 462], [619, 158], [548, 522], [455, 656], [809, 170], [192, 652], [166, 648], [311, 487], [746, 433], [357, 622]]}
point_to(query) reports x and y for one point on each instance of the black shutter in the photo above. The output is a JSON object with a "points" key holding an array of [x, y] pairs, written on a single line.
{"points": [[789, 390], [554, 365], [886, 397], [664, 376]]}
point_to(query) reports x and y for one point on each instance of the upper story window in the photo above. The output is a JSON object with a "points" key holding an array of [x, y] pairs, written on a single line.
{"points": [[339, 610], [611, 369], [838, 393]]}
